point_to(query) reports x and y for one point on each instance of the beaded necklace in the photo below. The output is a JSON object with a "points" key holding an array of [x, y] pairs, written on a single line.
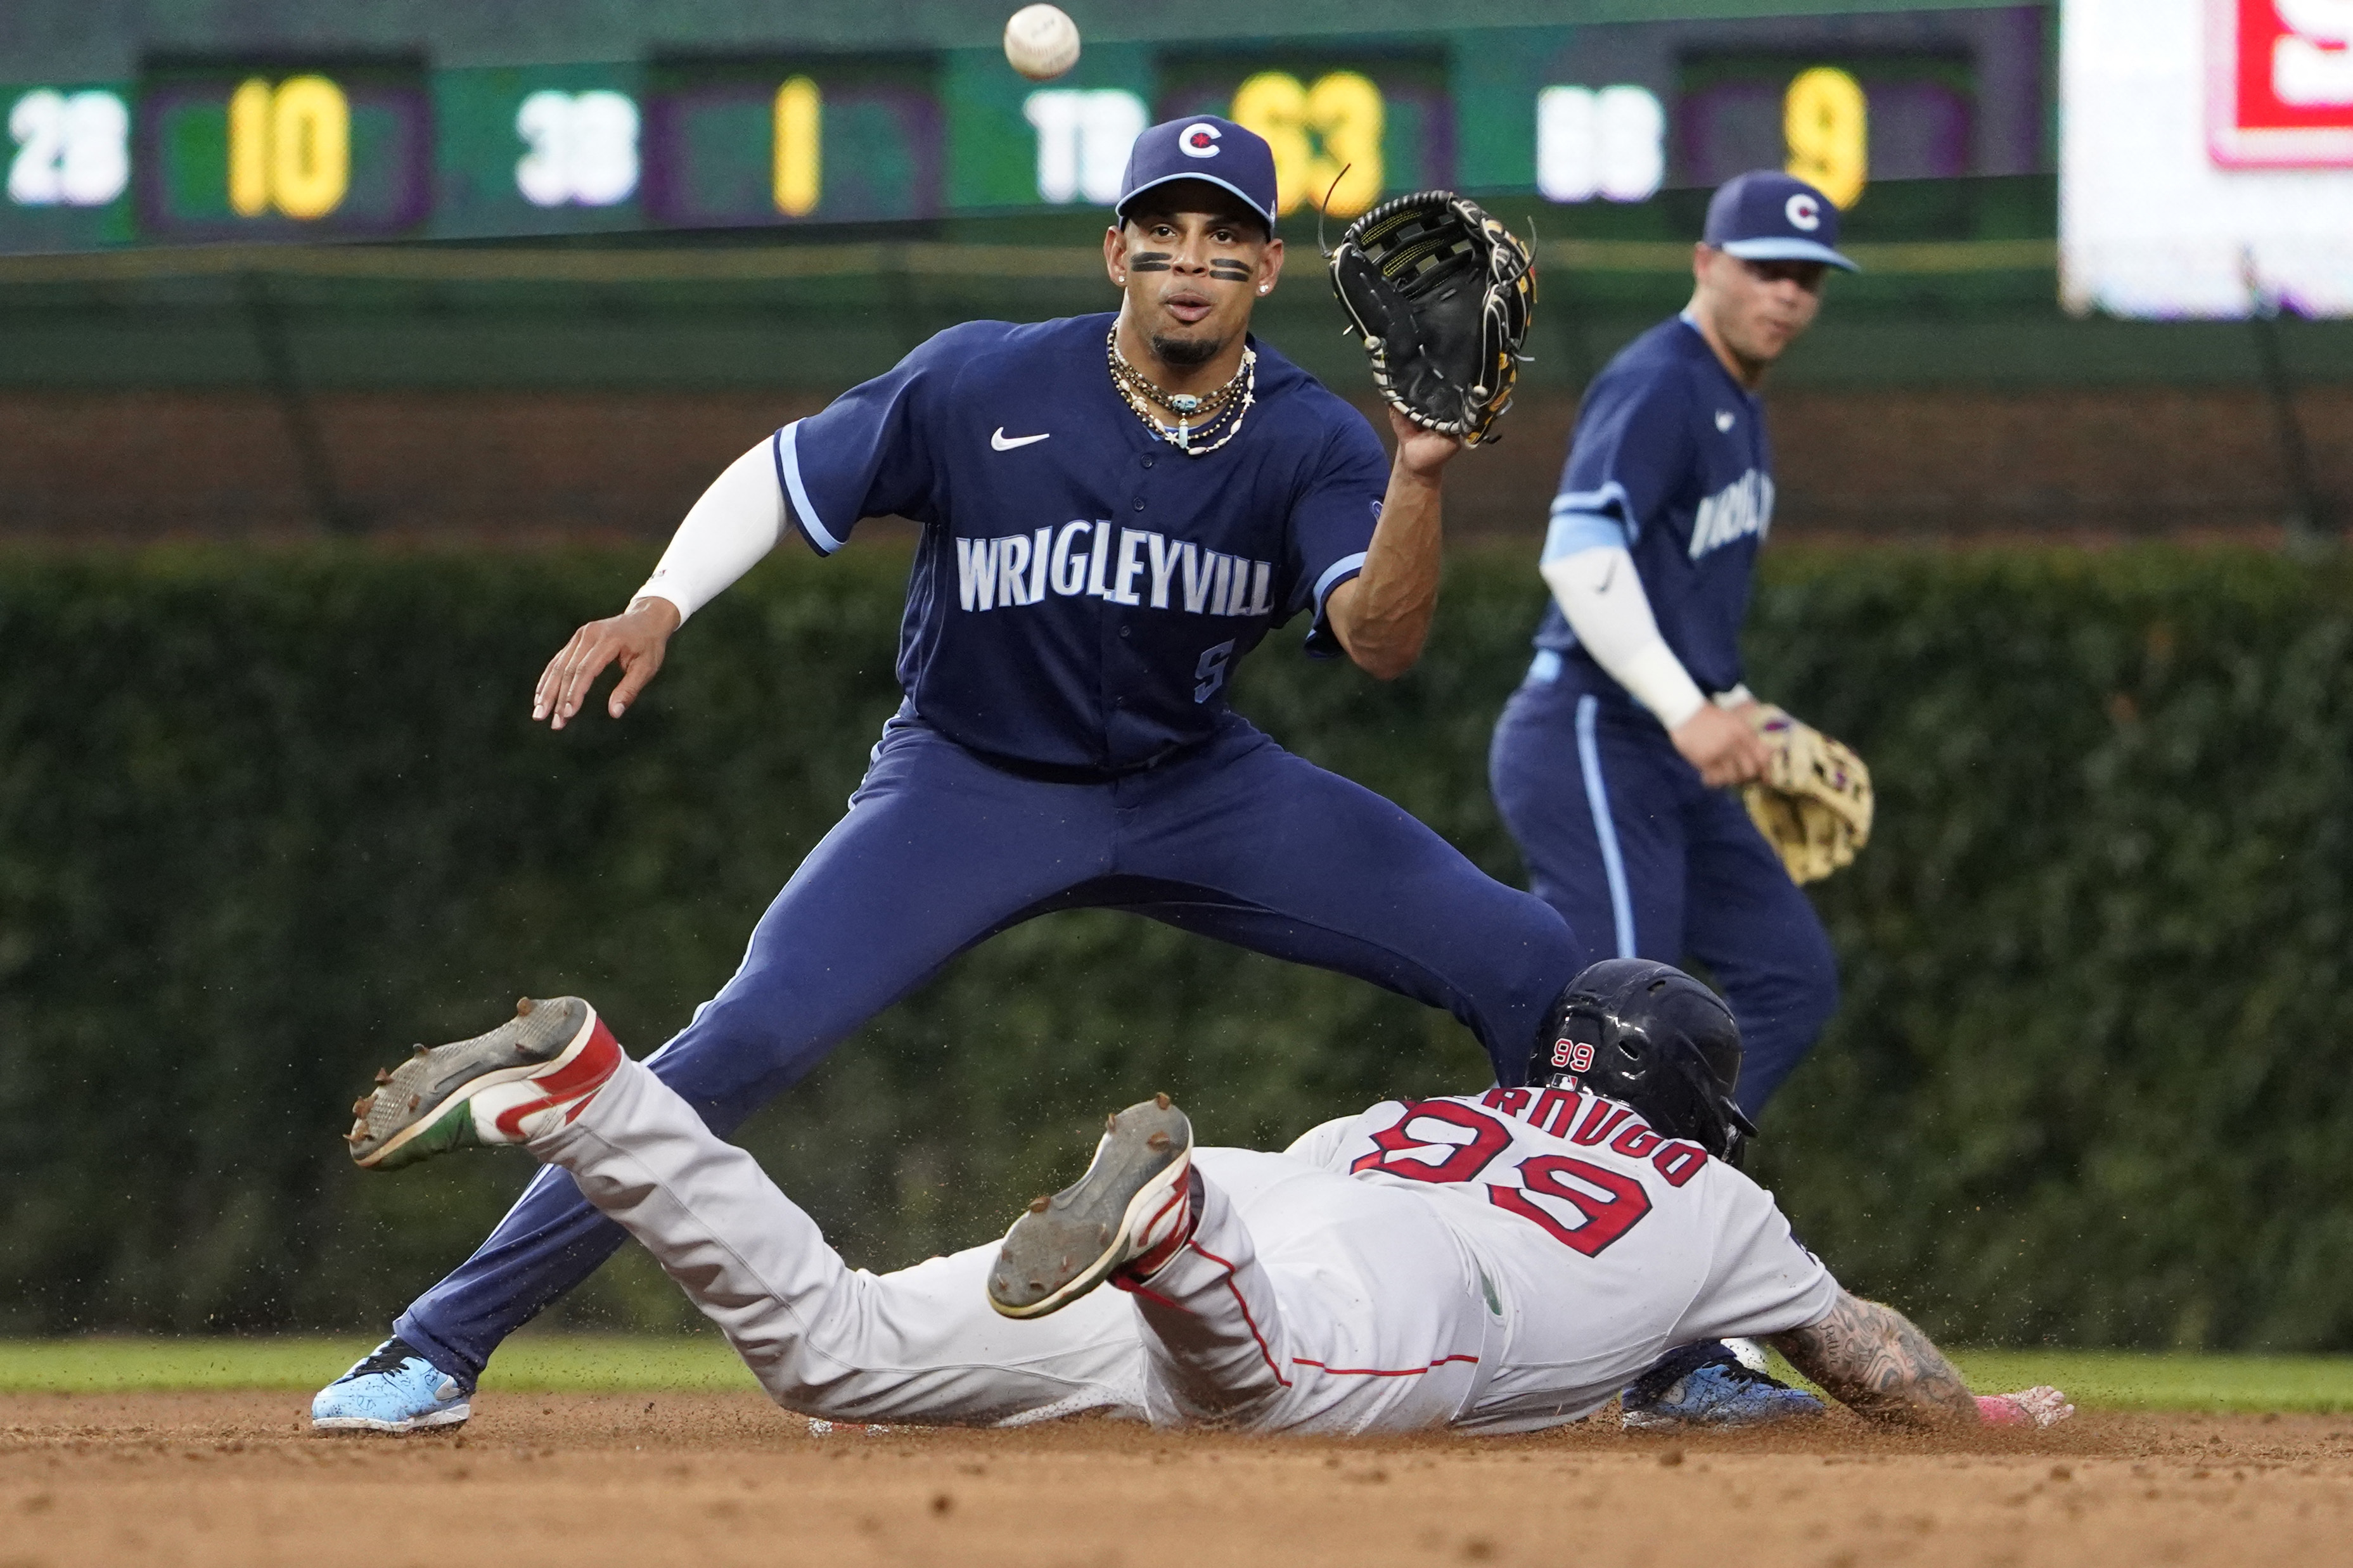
{"points": [[1196, 415]]}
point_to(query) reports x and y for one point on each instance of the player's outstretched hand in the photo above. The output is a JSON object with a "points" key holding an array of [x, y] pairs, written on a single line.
{"points": [[2042, 1405], [1421, 452], [1722, 744], [636, 639]]}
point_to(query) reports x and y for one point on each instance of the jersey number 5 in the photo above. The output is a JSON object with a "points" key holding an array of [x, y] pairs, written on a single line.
{"points": [[1210, 673]]}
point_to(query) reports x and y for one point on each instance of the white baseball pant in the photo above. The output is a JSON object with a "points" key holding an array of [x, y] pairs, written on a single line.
{"points": [[1306, 1301]]}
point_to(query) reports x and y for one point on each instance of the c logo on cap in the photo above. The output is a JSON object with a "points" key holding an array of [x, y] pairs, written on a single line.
{"points": [[1804, 212], [1199, 139]]}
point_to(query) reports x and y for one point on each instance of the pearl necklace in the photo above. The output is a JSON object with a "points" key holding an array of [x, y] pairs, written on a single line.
{"points": [[1196, 415]]}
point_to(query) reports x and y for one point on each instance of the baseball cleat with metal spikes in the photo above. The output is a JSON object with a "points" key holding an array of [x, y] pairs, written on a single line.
{"points": [[531, 1074], [1127, 1216]]}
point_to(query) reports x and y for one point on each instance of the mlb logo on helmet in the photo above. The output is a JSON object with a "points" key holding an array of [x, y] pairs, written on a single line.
{"points": [[1768, 216], [1225, 154]]}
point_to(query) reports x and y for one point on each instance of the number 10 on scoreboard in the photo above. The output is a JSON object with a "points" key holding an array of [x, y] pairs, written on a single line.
{"points": [[289, 147]]}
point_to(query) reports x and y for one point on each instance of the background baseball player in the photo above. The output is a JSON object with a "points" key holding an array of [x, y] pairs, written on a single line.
{"points": [[1610, 763], [1500, 1263], [1113, 512]]}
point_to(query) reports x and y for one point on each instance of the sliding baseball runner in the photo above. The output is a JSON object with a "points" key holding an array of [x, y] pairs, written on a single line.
{"points": [[1501, 1262]]}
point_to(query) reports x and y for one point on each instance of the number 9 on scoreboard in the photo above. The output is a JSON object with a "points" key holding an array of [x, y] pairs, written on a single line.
{"points": [[1826, 120]]}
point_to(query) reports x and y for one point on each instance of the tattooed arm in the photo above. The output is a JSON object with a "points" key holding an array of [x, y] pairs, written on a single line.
{"points": [[1871, 1359]]}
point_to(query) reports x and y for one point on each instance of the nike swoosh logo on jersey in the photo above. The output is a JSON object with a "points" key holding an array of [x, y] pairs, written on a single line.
{"points": [[1723, 419], [1005, 443]]}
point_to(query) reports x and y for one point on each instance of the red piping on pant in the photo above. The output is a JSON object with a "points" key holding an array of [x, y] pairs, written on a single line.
{"points": [[1265, 1353], [1383, 1371]]}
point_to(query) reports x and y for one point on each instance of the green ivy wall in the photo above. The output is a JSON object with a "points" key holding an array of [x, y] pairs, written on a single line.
{"points": [[267, 819]]}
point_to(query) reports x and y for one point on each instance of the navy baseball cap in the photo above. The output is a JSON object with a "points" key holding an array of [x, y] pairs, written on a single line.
{"points": [[1203, 147], [1768, 216]]}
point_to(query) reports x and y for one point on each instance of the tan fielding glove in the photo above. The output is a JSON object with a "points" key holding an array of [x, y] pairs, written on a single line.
{"points": [[1813, 804]]}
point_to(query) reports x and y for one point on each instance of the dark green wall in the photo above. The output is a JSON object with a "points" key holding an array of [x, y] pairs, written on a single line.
{"points": [[1961, 291]]}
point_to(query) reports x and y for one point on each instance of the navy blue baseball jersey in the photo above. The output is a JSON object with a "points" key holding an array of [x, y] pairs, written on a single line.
{"points": [[1082, 588], [1670, 461]]}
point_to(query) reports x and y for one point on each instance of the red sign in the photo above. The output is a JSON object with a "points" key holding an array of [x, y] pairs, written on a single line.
{"points": [[2280, 83]]}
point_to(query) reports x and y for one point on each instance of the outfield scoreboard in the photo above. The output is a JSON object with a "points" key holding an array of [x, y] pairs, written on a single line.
{"points": [[322, 145], [2207, 158]]}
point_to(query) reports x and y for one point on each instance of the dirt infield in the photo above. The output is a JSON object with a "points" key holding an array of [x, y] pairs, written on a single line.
{"points": [[201, 1479]]}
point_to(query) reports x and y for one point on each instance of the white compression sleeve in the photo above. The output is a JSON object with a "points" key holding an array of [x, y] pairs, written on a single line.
{"points": [[739, 520], [1597, 590]]}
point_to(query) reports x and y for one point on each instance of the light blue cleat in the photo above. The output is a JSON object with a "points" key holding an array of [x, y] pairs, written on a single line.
{"points": [[393, 1389], [1707, 1385]]}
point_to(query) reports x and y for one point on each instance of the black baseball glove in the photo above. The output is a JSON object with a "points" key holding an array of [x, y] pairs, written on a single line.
{"points": [[1442, 294]]}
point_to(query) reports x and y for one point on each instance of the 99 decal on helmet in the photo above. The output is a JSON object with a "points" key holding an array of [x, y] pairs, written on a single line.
{"points": [[1442, 294], [1572, 1057], [1651, 1036]]}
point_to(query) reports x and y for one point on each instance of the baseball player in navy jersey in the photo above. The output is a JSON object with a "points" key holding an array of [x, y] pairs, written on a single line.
{"points": [[1499, 1262], [1611, 762], [1115, 509]]}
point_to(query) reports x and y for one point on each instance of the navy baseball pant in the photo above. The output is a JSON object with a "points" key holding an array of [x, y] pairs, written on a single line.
{"points": [[1238, 839], [1645, 861]]}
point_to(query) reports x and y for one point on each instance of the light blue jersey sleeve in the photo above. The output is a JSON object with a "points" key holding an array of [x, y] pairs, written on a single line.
{"points": [[1631, 449]]}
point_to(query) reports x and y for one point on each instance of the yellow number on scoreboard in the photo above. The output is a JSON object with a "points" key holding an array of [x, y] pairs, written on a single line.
{"points": [[289, 148], [248, 149], [1343, 111], [1825, 120], [799, 132]]}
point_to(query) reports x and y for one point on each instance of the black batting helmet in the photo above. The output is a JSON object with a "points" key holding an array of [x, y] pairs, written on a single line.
{"points": [[1651, 1036]]}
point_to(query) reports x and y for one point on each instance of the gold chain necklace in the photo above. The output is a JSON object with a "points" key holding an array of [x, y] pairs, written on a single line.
{"points": [[1196, 415]]}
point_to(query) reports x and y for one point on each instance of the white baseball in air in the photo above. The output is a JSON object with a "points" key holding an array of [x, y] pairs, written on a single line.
{"points": [[1042, 42]]}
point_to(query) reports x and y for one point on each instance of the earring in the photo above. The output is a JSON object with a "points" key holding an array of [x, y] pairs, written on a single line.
{"points": [[1265, 288]]}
